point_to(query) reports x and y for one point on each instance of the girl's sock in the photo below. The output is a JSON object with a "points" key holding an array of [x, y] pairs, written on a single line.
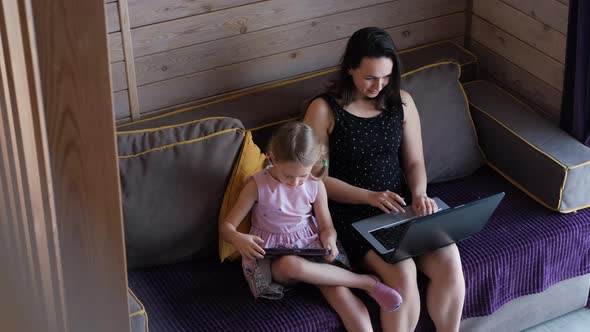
{"points": [[387, 298]]}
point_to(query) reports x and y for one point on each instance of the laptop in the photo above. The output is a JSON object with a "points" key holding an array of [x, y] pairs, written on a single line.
{"points": [[398, 236]]}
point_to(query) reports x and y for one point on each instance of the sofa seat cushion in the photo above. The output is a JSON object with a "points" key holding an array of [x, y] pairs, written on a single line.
{"points": [[533, 153], [210, 296], [524, 249]]}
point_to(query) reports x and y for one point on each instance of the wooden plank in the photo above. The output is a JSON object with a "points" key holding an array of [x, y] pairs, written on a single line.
{"points": [[115, 47], [524, 27], [429, 31], [118, 76], [235, 21], [121, 104], [284, 38], [129, 59], [277, 67], [144, 12], [29, 246], [71, 47], [113, 17], [550, 12], [518, 52], [519, 80]]}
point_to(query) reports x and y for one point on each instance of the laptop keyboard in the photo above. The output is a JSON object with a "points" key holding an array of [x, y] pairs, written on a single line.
{"points": [[389, 237]]}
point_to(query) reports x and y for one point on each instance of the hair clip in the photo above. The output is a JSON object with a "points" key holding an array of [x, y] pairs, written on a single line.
{"points": [[325, 163]]}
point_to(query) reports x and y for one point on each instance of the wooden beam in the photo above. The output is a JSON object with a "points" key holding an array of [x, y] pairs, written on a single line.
{"points": [[129, 59], [73, 65]]}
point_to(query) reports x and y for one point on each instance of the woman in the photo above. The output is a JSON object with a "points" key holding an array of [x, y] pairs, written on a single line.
{"points": [[372, 129]]}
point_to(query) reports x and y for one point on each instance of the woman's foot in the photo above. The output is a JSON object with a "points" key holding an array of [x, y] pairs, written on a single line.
{"points": [[387, 298]]}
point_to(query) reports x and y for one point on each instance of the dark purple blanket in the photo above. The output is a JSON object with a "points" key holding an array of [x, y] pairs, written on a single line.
{"points": [[524, 249]]}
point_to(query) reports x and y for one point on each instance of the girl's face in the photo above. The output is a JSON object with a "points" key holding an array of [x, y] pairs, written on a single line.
{"points": [[291, 173], [371, 76]]}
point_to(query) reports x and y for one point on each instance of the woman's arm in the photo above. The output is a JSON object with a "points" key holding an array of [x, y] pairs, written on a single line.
{"points": [[320, 118], [248, 245], [413, 158]]}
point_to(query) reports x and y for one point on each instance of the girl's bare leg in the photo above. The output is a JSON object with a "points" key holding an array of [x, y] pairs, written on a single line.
{"points": [[289, 269]]}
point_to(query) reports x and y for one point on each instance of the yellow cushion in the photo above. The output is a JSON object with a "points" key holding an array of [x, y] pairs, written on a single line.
{"points": [[251, 160]]}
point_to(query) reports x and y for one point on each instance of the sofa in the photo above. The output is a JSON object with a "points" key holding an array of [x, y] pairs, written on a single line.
{"points": [[531, 263]]}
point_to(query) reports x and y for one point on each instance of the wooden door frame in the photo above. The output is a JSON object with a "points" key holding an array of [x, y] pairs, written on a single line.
{"points": [[62, 253]]}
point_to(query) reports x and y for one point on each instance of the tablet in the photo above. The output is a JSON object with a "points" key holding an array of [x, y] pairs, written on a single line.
{"points": [[272, 252]]}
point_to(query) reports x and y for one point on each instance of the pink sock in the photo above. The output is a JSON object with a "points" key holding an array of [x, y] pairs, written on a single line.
{"points": [[387, 298]]}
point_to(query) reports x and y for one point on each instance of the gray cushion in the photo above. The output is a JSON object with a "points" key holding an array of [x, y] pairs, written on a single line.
{"points": [[533, 153], [173, 180], [448, 136], [137, 315]]}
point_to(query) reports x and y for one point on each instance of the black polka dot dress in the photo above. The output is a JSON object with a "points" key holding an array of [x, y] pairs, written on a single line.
{"points": [[364, 152]]}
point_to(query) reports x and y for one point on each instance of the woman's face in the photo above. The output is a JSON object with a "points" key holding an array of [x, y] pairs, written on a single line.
{"points": [[371, 76]]}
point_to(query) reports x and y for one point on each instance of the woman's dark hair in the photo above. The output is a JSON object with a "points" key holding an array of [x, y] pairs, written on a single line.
{"points": [[368, 42]]}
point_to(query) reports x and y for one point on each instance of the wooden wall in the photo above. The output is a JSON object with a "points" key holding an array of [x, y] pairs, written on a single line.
{"points": [[62, 250], [521, 45], [180, 51]]}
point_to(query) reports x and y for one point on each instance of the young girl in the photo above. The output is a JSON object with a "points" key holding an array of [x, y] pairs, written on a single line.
{"points": [[290, 209]]}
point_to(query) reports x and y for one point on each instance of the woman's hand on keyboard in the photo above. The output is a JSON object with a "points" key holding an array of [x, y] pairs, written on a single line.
{"points": [[387, 201], [423, 205]]}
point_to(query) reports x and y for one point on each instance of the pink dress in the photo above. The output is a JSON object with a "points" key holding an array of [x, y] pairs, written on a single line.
{"points": [[282, 217]]}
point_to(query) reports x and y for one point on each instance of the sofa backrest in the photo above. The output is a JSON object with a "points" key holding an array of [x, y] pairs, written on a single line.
{"points": [[175, 167], [172, 181]]}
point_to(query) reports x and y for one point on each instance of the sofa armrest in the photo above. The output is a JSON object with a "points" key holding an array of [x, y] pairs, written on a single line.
{"points": [[138, 318], [531, 152]]}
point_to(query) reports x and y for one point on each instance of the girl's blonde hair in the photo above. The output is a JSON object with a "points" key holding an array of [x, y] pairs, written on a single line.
{"points": [[296, 141]]}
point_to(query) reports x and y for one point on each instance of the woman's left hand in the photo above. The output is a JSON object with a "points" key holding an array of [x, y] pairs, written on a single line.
{"points": [[423, 205]]}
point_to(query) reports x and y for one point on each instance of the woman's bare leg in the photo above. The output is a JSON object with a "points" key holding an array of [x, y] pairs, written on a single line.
{"points": [[402, 277], [446, 291], [351, 310]]}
